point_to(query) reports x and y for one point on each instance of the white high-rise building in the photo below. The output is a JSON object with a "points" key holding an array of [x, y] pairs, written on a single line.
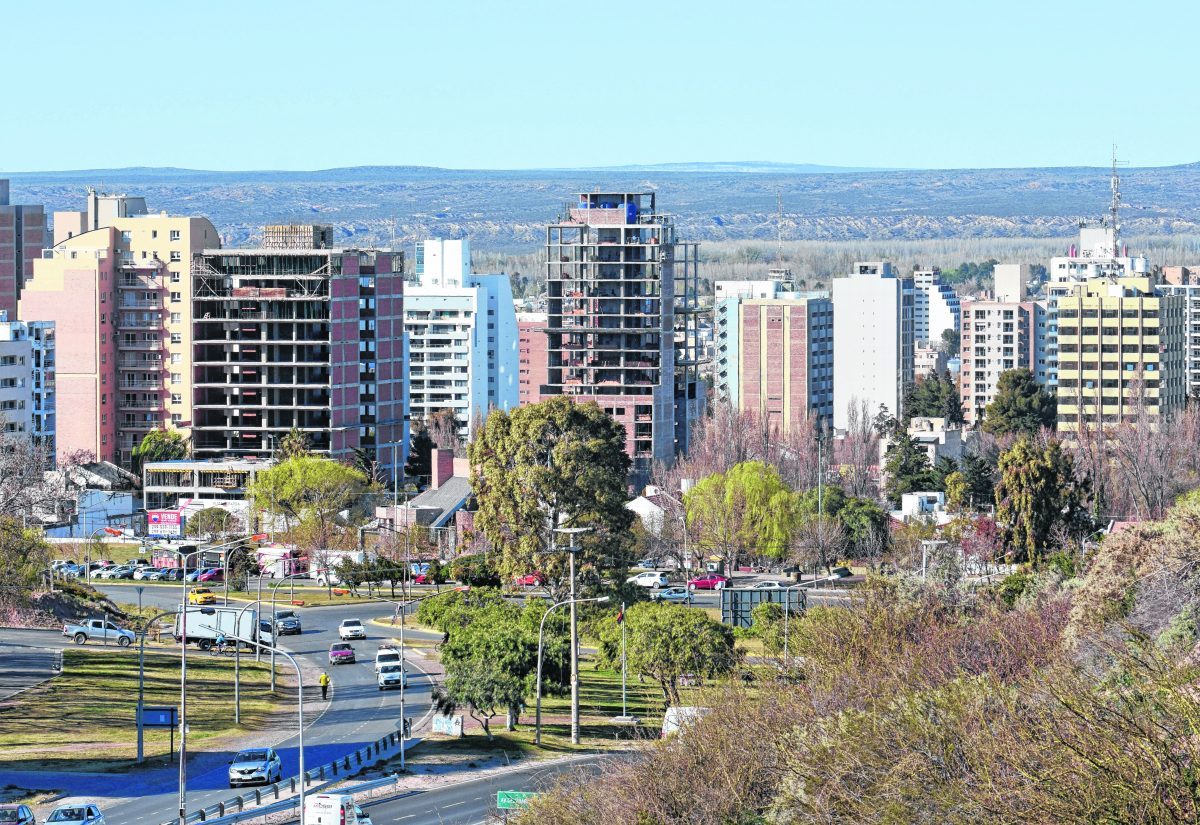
{"points": [[936, 307], [462, 332], [872, 340], [27, 379]]}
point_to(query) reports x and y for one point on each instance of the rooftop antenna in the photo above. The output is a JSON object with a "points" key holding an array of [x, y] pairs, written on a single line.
{"points": [[1115, 209], [779, 223]]}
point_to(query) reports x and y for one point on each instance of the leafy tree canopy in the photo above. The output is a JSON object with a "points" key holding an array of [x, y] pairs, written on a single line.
{"points": [[307, 486], [1021, 405], [935, 396], [159, 445], [745, 511], [1037, 491]]}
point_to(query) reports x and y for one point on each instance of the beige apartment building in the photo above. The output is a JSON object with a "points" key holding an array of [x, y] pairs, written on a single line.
{"points": [[118, 285], [1118, 343]]}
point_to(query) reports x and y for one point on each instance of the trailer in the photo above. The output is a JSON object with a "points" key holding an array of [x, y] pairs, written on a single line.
{"points": [[204, 624]]}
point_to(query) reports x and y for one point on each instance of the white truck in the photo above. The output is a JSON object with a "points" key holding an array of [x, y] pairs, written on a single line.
{"points": [[326, 562], [333, 809], [205, 623], [98, 629]]}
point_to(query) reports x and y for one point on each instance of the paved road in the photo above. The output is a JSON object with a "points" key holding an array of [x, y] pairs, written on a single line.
{"points": [[29, 659], [472, 801], [359, 713]]}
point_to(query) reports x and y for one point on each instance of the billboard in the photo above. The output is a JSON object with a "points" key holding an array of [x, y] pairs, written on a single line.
{"points": [[164, 523]]}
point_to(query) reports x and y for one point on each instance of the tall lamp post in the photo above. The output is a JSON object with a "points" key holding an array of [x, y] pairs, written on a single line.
{"points": [[299, 717], [572, 549], [142, 679], [274, 623], [87, 560], [537, 737]]}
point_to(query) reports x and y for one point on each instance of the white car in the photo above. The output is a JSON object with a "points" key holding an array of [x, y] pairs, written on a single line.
{"points": [[391, 676], [386, 656], [650, 578], [769, 585], [351, 629], [77, 813], [145, 573]]}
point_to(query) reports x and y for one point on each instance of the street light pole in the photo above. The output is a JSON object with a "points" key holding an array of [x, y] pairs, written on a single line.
{"points": [[537, 736], [142, 682], [290, 577], [572, 549]]}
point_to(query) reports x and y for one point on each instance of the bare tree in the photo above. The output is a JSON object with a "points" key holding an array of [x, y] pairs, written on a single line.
{"points": [[1151, 459], [859, 453], [819, 542]]}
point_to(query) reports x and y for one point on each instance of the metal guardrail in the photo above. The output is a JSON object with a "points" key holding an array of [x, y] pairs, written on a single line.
{"points": [[250, 805]]}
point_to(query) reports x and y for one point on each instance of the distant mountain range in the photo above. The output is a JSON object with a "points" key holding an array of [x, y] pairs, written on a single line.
{"points": [[507, 210]]}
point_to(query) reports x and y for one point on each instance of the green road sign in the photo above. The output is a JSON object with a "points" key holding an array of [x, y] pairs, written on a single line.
{"points": [[507, 800]]}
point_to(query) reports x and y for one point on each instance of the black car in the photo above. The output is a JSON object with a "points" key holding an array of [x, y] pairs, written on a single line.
{"points": [[287, 623]]}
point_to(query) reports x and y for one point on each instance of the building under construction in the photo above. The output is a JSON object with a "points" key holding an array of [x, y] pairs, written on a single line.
{"points": [[621, 320], [307, 338]]}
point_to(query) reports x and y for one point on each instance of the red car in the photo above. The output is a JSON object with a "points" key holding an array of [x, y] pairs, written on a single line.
{"points": [[215, 575], [709, 581], [531, 580]]}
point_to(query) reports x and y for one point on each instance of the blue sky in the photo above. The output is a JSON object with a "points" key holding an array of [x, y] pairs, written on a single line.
{"points": [[523, 84]]}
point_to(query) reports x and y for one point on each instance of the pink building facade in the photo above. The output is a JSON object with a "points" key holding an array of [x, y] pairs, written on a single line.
{"points": [[531, 356], [786, 353]]}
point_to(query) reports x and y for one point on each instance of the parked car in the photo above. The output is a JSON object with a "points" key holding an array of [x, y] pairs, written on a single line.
{"points": [[351, 629], [385, 657], [196, 574], [673, 594], [287, 623], [97, 629], [145, 573], [391, 676], [531, 580], [216, 574], [120, 571], [651, 578], [202, 595], [77, 813], [769, 585], [709, 581], [341, 653], [16, 815], [170, 574], [72, 571], [255, 766]]}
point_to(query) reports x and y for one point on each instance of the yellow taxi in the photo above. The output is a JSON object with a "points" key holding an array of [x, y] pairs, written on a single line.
{"points": [[202, 595]]}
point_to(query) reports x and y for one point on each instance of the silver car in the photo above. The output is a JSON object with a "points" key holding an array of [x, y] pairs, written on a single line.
{"points": [[78, 813], [257, 766]]}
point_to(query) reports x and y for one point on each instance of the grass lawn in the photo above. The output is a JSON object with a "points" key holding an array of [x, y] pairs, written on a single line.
{"points": [[118, 552], [84, 719]]}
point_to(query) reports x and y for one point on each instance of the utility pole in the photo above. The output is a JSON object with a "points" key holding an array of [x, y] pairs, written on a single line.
{"points": [[574, 651]]}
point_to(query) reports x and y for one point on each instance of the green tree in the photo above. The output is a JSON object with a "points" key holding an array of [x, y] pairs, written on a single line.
{"points": [[24, 554], [980, 477], [958, 491], [1021, 405], [906, 467], [951, 342], [767, 625], [1037, 491], [866, 524], [747, 511], [935, 396], [666, 641], [294, 445], [554, 464], [159, 445], [214, 522], [420, 451]]}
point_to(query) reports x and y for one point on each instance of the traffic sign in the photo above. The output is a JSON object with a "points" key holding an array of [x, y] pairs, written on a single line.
{"points": [[507, 800], [160, 717]]}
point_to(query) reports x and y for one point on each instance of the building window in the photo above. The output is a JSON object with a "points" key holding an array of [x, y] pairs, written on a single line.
{"points": [[176, 338], [176, 317], [176, 378], [176, 257], [174, 234], [176, 418], [176, 297], [176, 358], [176, 398], [175, 278]]}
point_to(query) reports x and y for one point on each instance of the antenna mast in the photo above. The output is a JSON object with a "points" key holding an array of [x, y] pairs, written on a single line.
{"points": [[1116, 204], [779, 223]]}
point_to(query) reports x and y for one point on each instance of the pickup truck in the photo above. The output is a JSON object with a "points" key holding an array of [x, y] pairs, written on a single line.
{"points": [[100, 630]]}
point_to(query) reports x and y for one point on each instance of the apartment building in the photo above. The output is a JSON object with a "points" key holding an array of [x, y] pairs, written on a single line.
{"points": [[531, 356], [936, 306], [22, 238], [872, 340], [120, 298], [1119, 344], [16, 379], [310, 338], [1184, 282], [622, 306], [462, 332], [998, 336], [774, 354], [38, 337]]}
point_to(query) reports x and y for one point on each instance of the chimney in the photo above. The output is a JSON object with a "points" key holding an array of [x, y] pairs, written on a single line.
{"points": [[442, 462]]}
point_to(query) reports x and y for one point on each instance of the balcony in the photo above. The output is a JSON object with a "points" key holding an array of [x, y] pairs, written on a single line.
{"points": [[141, 345]]}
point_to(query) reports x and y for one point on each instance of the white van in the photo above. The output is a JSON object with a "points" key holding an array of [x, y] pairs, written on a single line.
{"points": [[386, 656], [333, 809], [679, 717]]}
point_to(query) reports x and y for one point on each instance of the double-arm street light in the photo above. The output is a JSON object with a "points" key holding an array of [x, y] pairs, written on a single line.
{"points": [[537, 737], [572, 549]]}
